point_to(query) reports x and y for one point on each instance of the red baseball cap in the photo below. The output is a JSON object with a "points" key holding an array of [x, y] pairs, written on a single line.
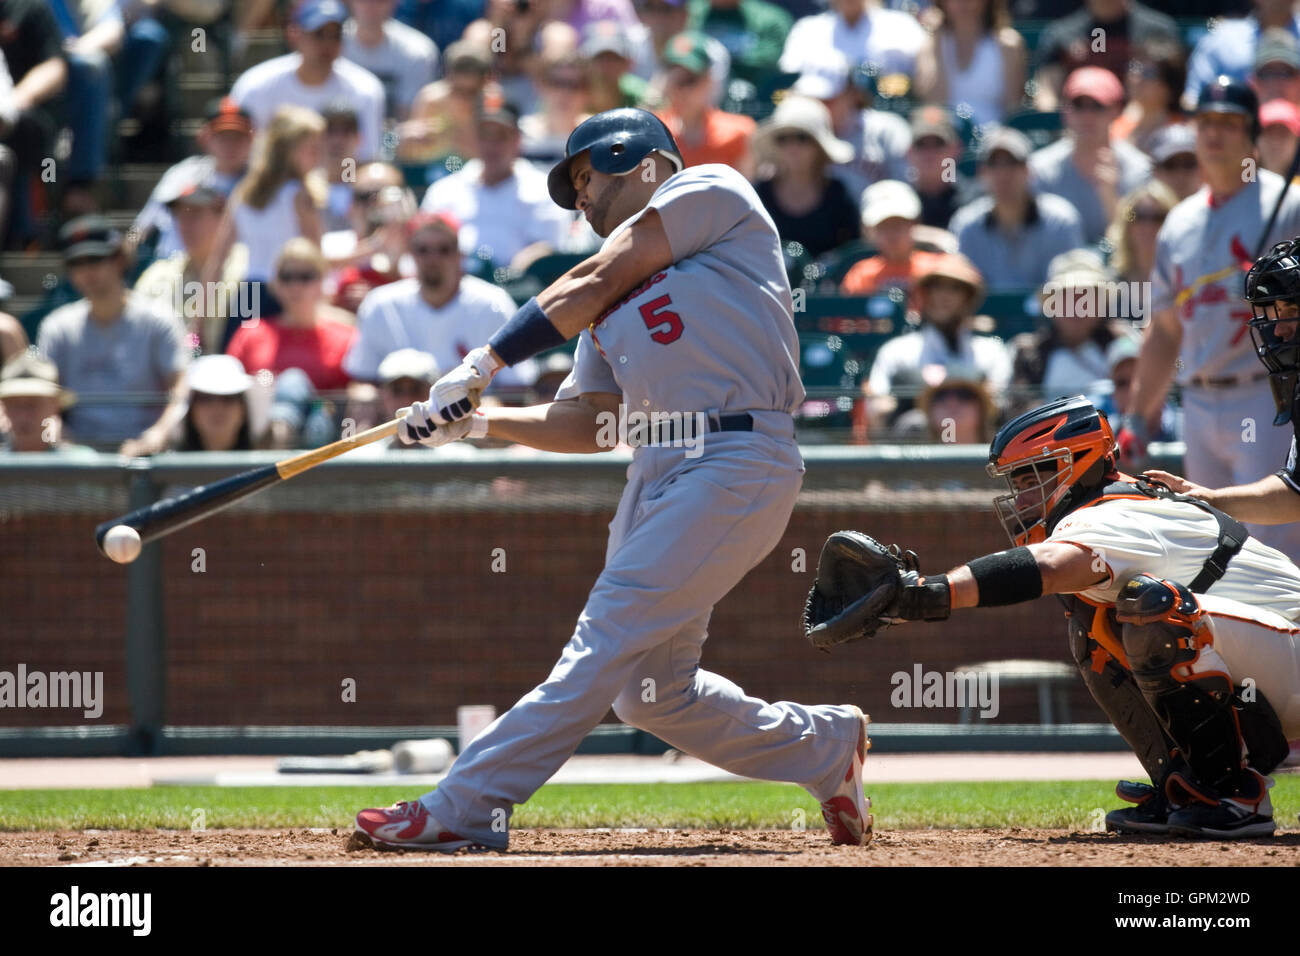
{"points": [[1095, 83], [1280, 111], [422, 220]]}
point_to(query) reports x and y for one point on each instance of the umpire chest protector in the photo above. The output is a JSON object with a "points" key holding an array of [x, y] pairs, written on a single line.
{"points": [[1098, 620]]}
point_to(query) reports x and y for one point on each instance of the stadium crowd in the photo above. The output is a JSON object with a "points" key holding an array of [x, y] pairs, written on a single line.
{"points": [[961, 188]]}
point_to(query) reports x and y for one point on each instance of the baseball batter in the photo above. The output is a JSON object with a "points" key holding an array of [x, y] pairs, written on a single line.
{"points": [[1185, 629], [1199, 323], [685, 314]]}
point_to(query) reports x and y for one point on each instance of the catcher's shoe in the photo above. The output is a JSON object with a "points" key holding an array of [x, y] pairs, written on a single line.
{"points": [[406, 825], [845, 812], [1247, 813], [1151, 815]]}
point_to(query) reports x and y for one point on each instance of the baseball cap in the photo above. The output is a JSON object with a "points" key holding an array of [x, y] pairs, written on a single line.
{"points": [[194, 184], [955, 375], [1007, 140], [933, 121], [90, 236], [1282, 112], [1277, 45], [1076, 269], [823, 80], [218, 375], [408, 363], [688, 50], [1121, 349], [314, 14], [30, 375], [1173, 140], [1096, 83], [605, 36], [225, 114], [463, 55], [887, 199], [422, 220], [493, 108]]}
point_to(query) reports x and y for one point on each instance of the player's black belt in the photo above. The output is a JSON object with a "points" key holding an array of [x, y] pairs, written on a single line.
{"points": [[666, 431], [1227, 381]]}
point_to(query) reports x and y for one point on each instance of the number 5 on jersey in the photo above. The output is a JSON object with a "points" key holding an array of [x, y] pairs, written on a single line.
{"points": [[665, 326]]}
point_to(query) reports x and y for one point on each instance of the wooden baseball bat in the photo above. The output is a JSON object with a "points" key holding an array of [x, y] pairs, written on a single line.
{"points": [[171, 514]]}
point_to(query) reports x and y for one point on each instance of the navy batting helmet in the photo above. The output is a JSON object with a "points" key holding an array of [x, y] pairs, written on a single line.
{"points": [[1226, 95], [618, 141]]}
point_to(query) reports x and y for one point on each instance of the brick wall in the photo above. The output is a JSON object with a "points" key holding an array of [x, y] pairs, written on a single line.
{"points": [[406, 604]]}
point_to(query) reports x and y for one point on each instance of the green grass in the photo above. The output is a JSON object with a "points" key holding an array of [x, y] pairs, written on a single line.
{"points": [[1053, 804]]}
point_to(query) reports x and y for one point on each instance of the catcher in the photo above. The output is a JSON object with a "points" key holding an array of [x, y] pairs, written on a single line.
{"points": [[1186, 630]]}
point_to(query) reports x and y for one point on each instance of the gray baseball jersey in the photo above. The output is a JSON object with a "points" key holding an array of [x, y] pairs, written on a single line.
{"points": [[1203, 252], [713, 331]]}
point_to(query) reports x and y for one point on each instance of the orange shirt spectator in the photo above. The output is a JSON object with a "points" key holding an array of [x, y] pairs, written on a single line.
{"points": [[878, 274], [704, 134]]}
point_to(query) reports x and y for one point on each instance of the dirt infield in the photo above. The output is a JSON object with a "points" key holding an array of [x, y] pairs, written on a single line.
{"points": [[994, 847]]}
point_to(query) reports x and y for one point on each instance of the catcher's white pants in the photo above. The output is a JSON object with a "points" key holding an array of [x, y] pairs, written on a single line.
{"points": [[686, 531], [1258, 645]]}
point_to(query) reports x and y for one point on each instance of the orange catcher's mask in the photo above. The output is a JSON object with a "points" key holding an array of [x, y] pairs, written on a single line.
{"points": [[1050, 457]]}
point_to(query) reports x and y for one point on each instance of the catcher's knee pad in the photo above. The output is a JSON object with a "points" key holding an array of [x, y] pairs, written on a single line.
{"points": [[1118, 695], [1170, 649]]}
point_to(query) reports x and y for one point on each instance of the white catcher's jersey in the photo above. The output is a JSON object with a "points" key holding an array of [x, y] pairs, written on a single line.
{"points": [[1171, 540], [712, 332]]}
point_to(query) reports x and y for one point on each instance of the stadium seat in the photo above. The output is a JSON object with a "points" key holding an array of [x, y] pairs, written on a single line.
{"points": [[1042, 128], [829, 270], [1013, 312]]}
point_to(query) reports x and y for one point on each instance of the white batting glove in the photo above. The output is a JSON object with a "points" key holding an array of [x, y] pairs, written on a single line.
{"points": [[412, 433], [456, 394]]}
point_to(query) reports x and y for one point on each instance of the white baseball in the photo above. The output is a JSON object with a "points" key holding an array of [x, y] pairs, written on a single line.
{"points": [[122, 544]]}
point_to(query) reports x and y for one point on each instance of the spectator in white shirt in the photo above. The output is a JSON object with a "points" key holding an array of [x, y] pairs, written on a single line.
{"points": [[440, 311], [403, 58], [859, 29], [506, 213], [948, 292], [314, 76]]}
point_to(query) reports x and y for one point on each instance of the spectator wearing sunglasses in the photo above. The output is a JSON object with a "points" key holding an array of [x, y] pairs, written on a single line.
{"points": [[954, 407], [376, 243], [1230, 48], [1173, 152], [807, 203], [932, 155], [308, 334], [562, 103], [1011, 234], [440, 310], [1086, 166], [1132, 233], [1155, 80]]}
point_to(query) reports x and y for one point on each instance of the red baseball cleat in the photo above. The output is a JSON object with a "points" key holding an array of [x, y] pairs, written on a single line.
{"points": [[407, 825], [845, 813]]}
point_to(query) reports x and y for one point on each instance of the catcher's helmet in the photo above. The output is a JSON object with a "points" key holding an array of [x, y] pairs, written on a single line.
{"points": [[618, 139], [1273, 291], [1226, 95], [1051, 457]]}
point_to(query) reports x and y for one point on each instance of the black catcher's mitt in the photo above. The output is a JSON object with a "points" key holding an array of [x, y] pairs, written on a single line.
{"points": [[858, 578]]}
